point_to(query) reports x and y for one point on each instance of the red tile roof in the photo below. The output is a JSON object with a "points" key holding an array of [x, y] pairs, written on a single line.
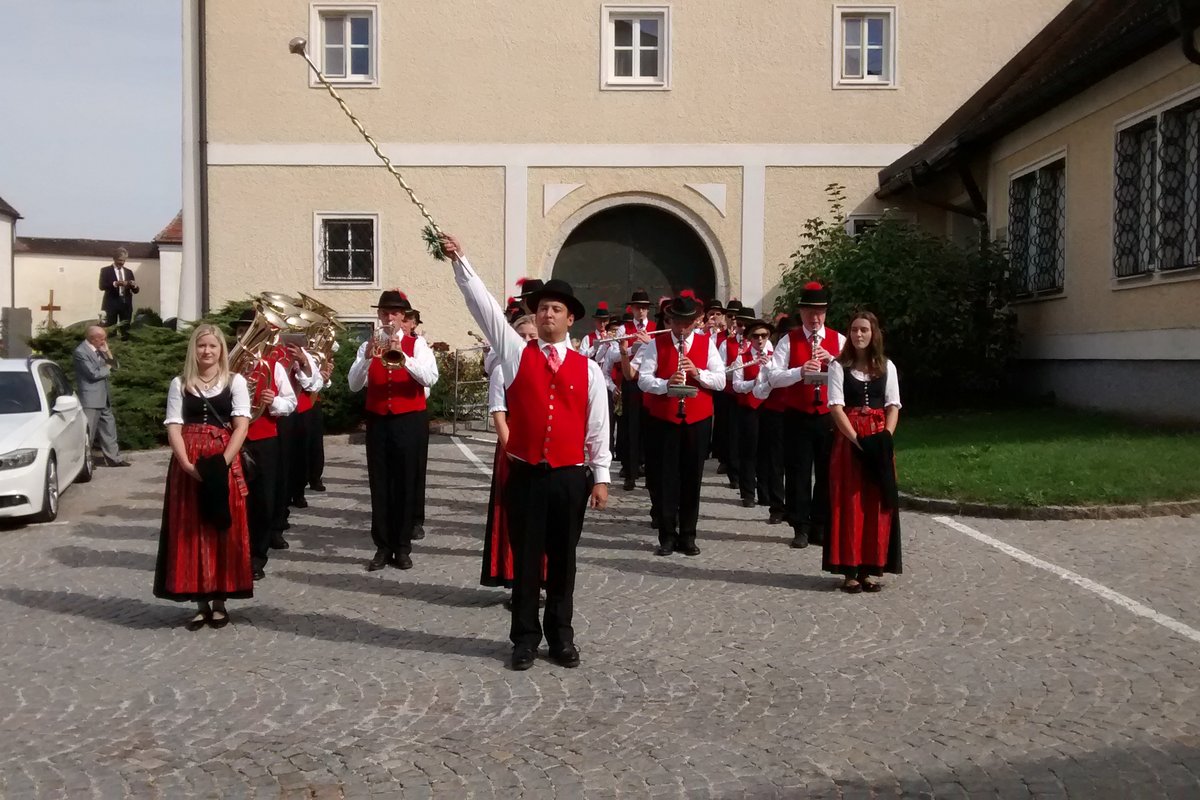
{"points": [[173, 233]]}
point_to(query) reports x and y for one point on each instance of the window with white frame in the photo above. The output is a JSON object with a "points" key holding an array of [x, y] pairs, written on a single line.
{"points": [[347, 250], [347, 42], [1037, 211], [635, 43], [1156, 193], [864, 46]]}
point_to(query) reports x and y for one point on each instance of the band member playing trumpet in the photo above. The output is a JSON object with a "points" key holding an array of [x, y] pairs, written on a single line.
{"points": [[800, 367], [752, 471], [682, 424], [271, 397], [557, 454], [307, 383], [396, 369]]}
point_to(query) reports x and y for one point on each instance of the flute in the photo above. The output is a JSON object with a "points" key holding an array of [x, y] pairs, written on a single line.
{"points": [[629, 336]]}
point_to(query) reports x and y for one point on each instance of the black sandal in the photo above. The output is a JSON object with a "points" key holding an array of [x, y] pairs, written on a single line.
{"points": [[851, 586], [221, 622], [197, 622], [872, 586]]}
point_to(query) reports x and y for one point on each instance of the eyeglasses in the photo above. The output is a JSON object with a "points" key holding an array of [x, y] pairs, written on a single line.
{"points": [[760, 335]]}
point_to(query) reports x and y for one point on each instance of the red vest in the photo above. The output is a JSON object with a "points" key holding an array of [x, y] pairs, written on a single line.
{"points": [[547, 411], [748, 373], [589, 340], [265, 426], [303, 399], [631, 327], [803, 396], [394, 391], [733, 349], [665, 407]]}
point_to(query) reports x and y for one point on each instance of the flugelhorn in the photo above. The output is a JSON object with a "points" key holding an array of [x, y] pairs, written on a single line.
{"points": [[383, 347]]}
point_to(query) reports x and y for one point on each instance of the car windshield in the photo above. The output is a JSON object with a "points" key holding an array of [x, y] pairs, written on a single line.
{"points": [[18, 393]]}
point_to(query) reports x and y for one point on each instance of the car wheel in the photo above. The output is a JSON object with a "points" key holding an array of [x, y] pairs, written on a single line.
{"points": [[50, 497], [89, 464]]}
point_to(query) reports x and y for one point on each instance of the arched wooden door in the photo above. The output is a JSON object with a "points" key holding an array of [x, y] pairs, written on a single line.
{"points": [[618, 250]]}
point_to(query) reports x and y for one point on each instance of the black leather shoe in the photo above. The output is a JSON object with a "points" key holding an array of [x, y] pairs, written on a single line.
{"points": [[567, 656], [378, 562], [279, 543], [317, 487], [733, 483], [629, 484], [776, 518], [419, 532], [403, 561], [299, 502], [120, 462], [747, 502], [690, 549], [522, 658], [800, 541], [664, 550], [721, 469], [259, 573]]}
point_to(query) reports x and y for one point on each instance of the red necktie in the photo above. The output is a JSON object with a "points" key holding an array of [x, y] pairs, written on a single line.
{"points": [[552, 358]]}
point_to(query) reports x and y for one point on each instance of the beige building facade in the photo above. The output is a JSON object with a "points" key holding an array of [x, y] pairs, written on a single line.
{"points": [[1097, 194], [653, 145]]}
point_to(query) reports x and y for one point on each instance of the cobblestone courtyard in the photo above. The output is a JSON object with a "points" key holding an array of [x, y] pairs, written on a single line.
{"points": [[739, 673]]}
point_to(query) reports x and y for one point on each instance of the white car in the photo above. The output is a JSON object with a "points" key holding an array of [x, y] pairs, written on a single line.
{"points": [[44, 443]]}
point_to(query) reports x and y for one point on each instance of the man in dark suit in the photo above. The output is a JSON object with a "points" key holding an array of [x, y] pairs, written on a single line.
{"points": [[119, 287], [93, 364]]}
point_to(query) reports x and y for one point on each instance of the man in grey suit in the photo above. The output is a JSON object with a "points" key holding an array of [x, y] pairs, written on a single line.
{"points": [[93, 364]]}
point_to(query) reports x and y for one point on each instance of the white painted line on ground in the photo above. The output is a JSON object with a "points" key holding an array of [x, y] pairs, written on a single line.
{"points": [[474, 459], [1116, 598]]}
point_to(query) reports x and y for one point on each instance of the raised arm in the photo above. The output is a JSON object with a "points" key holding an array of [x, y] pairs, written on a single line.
{"points": [[506, 343]]}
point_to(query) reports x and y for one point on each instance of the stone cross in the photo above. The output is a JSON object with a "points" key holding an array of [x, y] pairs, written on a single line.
{"points": [[50, 308]]}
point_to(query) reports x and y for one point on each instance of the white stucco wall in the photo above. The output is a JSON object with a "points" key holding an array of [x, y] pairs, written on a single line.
{"points": [[6, 261], [74, 280]]}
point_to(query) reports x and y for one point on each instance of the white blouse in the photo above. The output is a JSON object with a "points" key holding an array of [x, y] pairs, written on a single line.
{"points": [[837, 394], [240, 397], [497, 396]]}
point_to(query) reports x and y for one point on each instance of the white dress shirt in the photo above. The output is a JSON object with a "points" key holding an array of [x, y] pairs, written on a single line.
{"points": [[509, 347], [588, 346], [312, 382], [285, 399], [711, 377], [743, 386], [837, 380], [497, 395], [421, 365], [778, 373], [239, 396]]}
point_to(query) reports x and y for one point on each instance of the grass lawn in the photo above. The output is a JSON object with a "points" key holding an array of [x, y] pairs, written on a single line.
{"points": [[1046, 456]]}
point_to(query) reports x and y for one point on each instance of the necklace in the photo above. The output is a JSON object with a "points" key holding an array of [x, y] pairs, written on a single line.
{"points": [[208, 383]]}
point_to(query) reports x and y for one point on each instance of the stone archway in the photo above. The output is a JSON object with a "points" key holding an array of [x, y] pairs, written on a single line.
{"points": [[633, 245]]}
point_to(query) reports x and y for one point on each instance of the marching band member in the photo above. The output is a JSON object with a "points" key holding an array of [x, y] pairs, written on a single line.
{"points": [[397, 427], [752, 481], [864, 401], [632, 405], [306, 383], [587, 346], [730, 348], [799, 366], [412, 327], [770, 429], [316, 437], [272, 399], [526, 287], [683, 426], [558, 429]]}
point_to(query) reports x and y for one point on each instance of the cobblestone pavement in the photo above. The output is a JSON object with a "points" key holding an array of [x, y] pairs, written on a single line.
{"points": [[739, 673]]}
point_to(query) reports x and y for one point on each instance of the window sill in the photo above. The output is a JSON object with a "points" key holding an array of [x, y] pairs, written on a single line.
{"points": [[610, 86], [1156, 278], [345, 83], [1048, 294], [349, 287], [839, 85]]}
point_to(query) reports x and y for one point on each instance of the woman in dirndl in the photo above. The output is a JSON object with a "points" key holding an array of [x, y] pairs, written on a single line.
{"points": [[204, 544], [864, 522], [497, 550]]}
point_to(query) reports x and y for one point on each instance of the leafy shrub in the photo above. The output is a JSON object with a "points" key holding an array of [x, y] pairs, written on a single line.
{"points": [[944, 308]]}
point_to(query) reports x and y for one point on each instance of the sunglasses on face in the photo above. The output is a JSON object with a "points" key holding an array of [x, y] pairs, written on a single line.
{"points": [[759, 335]]}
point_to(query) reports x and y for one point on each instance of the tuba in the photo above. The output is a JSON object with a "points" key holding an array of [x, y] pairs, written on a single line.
{"points": [[384, 348], [323, 330], [248, 356]]}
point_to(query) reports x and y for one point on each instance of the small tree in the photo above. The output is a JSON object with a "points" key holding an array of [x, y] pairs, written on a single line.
{"points": [[944, 308]]}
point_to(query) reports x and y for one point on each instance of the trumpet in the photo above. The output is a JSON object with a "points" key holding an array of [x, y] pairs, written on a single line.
{"points": [[384, 347]]}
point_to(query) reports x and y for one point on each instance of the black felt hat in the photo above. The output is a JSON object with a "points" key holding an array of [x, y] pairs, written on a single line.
{"points": [[684, 305], [733, 306], [813, 295], [601, 311], [639, 298], [746, 314], [246, 316], [554, 289], [528, 286], [714, 305], [393, 300], [756, 324]]}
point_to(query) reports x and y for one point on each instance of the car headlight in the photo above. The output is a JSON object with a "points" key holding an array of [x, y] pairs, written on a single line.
{"points": [[17, 458]]}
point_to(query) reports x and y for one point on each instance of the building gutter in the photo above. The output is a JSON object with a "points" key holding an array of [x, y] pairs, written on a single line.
{"points": [[202, 102]]}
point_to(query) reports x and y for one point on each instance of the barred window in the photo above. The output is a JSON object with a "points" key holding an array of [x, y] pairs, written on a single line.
{"points": [[1134, 245], [1179, 187], [346, 251], [1037, 207]]}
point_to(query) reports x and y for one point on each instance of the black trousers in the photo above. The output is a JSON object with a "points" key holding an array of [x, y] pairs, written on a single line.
{"points": [[260, 502], [771, 460], [681, 451], [422, 465], [651, 435], [316, 445], [612, 424], [753, 471], [809, 443], [299, 455], [730, 441], [120, 315], [718, 448], [286, 446], [393, 471], [545, 517], [634, 419]]}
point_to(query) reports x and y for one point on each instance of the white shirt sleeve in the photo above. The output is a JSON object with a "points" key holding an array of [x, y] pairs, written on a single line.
{"points": [[777, 370], [312, 382], [713, 378], [891, 393], [762, 386], [174, 402], [599, 458], [489, 361], [646, 362], [285, 399], [836, 385], [423, 365], [239, 394], [356, 378], [507, 343], [497, 396]]}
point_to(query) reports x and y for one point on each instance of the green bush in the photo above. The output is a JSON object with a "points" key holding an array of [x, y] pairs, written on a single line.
{"points": [[944, 308], [472, 395]]}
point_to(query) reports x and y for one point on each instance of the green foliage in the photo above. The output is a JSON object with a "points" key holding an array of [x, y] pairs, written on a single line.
{"points": [[472, 394], [944, 308], [433, 243], [342, 408]]}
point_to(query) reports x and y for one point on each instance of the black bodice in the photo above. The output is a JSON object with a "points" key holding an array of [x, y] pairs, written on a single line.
{"points": [[195, 410], [859, 393]]}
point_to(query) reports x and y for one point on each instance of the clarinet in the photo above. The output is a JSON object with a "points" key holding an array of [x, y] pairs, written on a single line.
{"points": [[681, 412], [816, 342]]}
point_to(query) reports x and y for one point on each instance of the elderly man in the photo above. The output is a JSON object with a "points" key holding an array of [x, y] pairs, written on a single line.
{"points": [[118, 285], [93, 364]]}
